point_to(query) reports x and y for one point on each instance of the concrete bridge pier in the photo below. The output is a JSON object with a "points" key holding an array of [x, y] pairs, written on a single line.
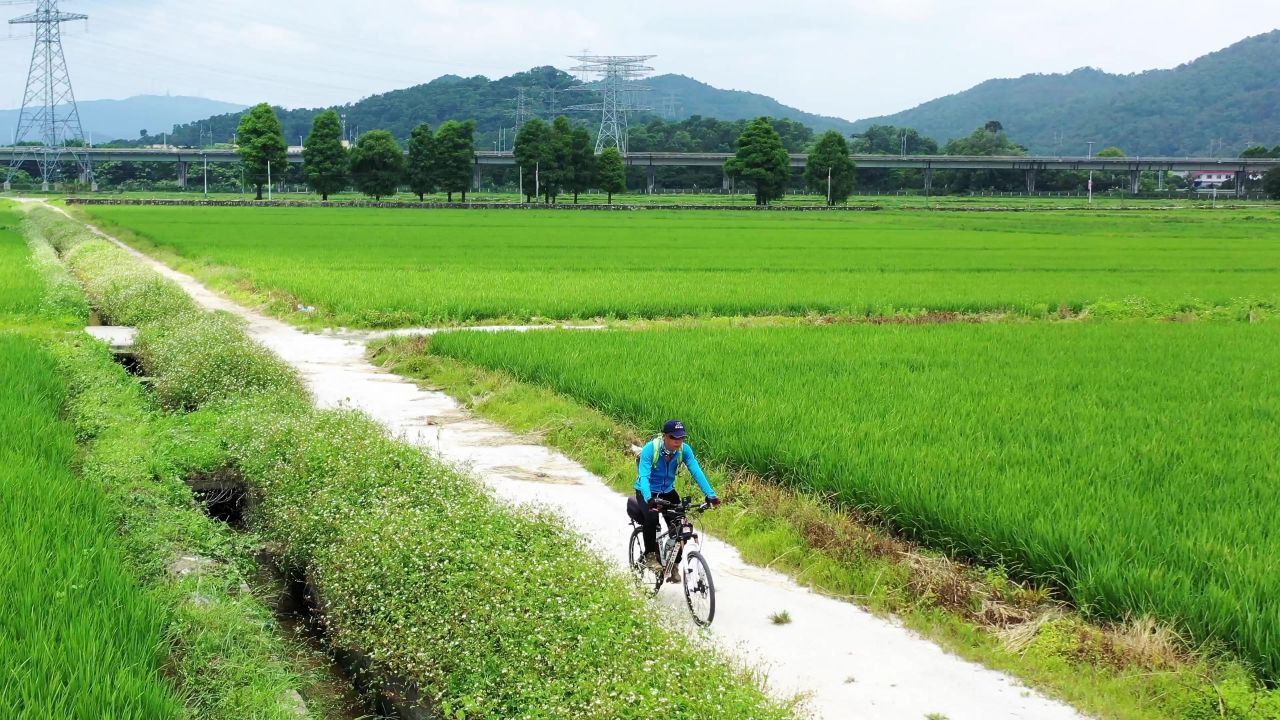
{"points": [[726, 183], [928, 181], [1135, 181], [183, 168], [1241, 179], [475, 178], [653, 178], [1031, 182]]}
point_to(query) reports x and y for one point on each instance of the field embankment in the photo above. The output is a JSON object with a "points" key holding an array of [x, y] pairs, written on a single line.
{"points": [[366, 268], [478, 608]]}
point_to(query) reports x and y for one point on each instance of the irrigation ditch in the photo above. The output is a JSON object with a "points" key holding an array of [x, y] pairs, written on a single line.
{"points": [[342, 683]]}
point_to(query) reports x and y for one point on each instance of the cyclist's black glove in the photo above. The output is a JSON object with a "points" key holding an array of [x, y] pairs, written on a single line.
{"points": [[715, 501], [654, 506]]}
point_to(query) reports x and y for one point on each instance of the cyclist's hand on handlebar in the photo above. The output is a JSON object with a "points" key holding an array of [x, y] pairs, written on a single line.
{"points": [[656, 505], [713, 501]]}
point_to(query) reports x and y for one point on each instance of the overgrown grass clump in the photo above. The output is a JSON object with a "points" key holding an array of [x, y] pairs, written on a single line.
{"points": [[1135, 465], [371, 268], [78, 637]]}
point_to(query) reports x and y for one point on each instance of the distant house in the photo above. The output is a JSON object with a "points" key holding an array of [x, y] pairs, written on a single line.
{"points": [[1209, 179]]}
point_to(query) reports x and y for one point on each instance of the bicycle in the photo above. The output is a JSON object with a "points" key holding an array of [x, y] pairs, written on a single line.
{"points": [[699, 589]]}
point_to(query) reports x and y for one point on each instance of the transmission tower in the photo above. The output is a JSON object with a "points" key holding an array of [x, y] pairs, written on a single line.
{"points": [[618, 74], [49, 114]]}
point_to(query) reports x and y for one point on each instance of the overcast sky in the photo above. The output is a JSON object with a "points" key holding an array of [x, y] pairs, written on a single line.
{"points": [[849, 58]]}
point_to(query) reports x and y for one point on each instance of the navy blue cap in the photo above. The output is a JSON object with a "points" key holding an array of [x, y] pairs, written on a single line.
{"points": [[674, 428]]}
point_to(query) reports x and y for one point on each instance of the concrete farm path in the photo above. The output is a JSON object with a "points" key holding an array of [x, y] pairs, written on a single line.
{"points": [[847, 662]]}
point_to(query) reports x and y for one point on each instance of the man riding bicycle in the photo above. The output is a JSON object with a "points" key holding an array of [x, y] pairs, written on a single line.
{"points": [[660, 460]]}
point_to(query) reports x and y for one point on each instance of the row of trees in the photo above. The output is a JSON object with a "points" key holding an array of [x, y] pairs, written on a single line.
{"points": [[558, 157], [376, 165]]}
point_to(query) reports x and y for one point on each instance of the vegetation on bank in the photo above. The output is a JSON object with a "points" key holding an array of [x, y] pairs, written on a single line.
{"points": [[469, 266], [416, 569]]}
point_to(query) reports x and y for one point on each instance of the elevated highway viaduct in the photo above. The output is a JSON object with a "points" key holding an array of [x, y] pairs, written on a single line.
{"points": [[1029, 165]]}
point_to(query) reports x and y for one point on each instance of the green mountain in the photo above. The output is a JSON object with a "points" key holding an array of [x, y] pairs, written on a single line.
{"points": [[105, 120], [689, 97], [492, 104], [1226, 101]]}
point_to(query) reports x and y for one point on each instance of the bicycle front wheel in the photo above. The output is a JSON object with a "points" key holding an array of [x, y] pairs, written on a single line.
{"points": [[699, 589]]}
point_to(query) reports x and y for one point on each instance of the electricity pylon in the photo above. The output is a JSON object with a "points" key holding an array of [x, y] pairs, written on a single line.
{"points": [[49, 124], [618, 74]]}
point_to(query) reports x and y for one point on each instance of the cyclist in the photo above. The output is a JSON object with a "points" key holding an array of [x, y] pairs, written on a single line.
{"points": [[660, 460]]}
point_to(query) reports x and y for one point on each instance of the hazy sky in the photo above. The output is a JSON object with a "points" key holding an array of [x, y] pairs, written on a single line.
{"points": [[850, 58]]}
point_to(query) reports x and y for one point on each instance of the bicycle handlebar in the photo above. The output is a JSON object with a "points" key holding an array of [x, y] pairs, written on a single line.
{"points": [[684, 505]]}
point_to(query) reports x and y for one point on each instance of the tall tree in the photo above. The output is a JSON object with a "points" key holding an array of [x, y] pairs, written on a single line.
{"points": [[761, 160], [582, 163], [455, 157], [422, 161], [1271, 183], [830, 168], [534, 155], [612, 172], [561, 171], [263, 151], [377, 164], [324, 160]]}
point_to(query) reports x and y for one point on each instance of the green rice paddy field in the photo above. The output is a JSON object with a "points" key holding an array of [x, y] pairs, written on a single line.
{"points": [[78, 639], [378, 268]]}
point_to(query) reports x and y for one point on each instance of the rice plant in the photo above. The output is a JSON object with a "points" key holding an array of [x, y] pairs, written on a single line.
{"points": [[77, 638]]}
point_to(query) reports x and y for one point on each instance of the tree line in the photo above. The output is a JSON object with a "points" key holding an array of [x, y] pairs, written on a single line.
{"points": [[376, 165], [559, 157]]}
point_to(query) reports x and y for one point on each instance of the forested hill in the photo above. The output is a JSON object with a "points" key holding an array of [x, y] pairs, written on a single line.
{"points": [[1228, 99], [690, 97], [491, 103]]}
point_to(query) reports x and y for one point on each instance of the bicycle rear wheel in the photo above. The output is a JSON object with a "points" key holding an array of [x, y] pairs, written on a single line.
{"points": [[699, 589], [635, 558]]}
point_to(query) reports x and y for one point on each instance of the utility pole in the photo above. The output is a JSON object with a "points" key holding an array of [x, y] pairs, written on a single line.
{"points": [[206, 175], [537, 181], [829, 185], [268, 181], [1091, 174], [49, 114]]}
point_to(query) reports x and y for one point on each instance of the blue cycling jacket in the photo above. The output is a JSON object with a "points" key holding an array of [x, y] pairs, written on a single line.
{"points": [[653, 479]]}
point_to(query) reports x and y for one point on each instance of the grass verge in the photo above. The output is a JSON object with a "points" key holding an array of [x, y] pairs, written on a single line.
{"points": [[1131, 671]]}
